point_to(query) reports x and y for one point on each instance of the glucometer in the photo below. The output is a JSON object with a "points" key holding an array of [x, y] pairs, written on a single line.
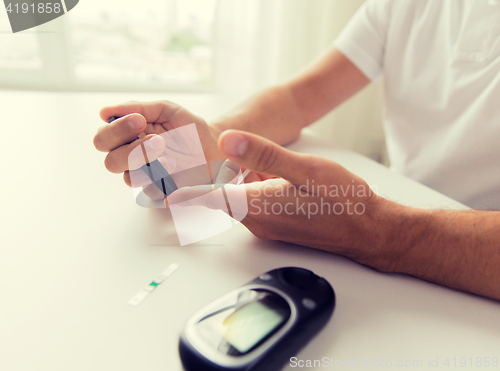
{"points": [[156, 172], [260, 325]]}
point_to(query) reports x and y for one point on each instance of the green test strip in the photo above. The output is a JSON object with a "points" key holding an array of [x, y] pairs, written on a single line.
{"points": [[141, 295]]}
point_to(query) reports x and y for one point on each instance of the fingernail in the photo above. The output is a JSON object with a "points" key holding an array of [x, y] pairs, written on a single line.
{"points": [[235, 145], [156, 143], [135, 122]]}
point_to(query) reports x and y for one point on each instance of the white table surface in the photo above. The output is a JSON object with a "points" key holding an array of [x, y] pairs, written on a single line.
{"points": [[75, 248]]}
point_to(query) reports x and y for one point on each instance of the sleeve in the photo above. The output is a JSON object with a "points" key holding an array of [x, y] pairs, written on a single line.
{"points": [[364, 38]]}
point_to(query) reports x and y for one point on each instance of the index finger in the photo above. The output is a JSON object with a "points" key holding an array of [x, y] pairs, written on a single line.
{"points": [[154, 112], [118, 133]]}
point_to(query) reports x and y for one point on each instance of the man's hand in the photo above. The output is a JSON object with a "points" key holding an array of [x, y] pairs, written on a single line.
{"points": [[147, 120], [314, 202], [318, 203]]}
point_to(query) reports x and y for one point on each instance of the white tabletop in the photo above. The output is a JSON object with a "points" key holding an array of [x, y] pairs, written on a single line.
{"points": [[75, 248]]}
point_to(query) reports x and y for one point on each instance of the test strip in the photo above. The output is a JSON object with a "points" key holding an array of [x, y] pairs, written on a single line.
{"points": [[141, 295]]}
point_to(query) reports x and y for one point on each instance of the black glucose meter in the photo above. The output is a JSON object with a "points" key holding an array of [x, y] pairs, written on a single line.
{"points": [[260, 325]]}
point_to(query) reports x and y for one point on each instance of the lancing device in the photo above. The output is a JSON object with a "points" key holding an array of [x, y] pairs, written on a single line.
{"points": [[156, 172]]}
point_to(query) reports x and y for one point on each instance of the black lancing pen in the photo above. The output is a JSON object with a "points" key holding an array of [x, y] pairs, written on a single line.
{"points": [[156, 172]]}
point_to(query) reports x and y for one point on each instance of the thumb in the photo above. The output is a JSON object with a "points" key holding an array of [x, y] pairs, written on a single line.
{"points": [[264, 156]]}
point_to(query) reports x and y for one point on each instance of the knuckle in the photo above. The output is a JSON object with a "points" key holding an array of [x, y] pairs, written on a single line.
{"points": [[127, 179], [102, 112], [268, 159], [168, 109], [315, 166], [98, 141], [110, 164], [132, 103], [168, 106], [166, 102]]}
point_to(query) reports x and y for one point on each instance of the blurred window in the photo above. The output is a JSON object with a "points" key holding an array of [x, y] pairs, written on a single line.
{"points": [[19, 51], [164, 41], [110, 44]]}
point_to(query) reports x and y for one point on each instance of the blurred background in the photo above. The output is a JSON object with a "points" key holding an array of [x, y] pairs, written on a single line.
{"points": [[228, 48]]}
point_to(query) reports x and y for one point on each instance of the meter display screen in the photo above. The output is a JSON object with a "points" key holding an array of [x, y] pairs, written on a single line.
{"points": [[238, 329]]}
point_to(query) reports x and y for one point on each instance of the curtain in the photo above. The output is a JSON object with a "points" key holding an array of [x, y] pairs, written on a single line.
{"points": [[260, 43]]}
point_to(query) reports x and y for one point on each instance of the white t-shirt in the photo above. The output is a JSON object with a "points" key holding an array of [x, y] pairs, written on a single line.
{"points": [[440, 60]]}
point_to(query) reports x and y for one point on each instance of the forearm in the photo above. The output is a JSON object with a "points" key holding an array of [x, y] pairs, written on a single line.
{"points": [[273, 114], [458, 249]]}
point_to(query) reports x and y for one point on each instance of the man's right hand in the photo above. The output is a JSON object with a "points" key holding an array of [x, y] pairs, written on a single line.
{"points": [[147, 120]]}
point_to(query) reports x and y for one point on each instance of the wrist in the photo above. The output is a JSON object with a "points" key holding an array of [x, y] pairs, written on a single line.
{"points": [[398, 229]]}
